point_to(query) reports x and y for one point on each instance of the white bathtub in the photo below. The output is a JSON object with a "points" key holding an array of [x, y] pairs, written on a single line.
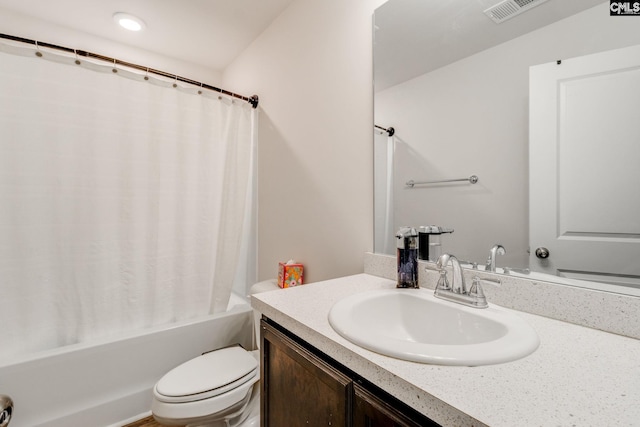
{"points": [[109, 383]]}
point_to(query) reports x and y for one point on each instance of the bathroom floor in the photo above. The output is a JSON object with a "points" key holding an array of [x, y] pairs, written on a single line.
{"points": [[146, 422]]}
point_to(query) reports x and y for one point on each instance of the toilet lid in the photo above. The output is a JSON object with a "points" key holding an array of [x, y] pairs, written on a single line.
{"points": [[212, 374]]}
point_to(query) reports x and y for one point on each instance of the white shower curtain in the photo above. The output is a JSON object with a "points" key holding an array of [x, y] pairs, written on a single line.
{"points": [[122, 200]]}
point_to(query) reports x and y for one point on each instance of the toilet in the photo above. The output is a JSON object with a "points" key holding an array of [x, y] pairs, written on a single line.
{"points": [[220, 388]]}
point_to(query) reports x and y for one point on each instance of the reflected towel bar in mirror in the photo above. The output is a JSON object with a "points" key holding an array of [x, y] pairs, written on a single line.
{"points": [[472, 180]]}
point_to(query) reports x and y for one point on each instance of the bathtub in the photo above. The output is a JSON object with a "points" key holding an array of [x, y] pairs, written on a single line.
{"points": [[110, 383]]}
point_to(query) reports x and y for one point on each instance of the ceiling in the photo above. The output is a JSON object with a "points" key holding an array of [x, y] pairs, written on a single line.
{"points": [[413, 37], [209, 33]]}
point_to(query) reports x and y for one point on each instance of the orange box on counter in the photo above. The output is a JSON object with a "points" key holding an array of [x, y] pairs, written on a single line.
{"points": [[290, 274]]}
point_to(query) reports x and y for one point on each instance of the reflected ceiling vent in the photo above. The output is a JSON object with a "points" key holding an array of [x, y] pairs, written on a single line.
{"points": [[509, 8]]}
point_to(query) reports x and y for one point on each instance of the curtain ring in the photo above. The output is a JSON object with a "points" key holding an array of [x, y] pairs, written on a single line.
{"points": [[146, 76], [175, 84], [200, 91], [114, 69], [38, 53], [77, 60]]}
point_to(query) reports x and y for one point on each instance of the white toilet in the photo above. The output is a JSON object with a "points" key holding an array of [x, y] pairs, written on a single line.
{"points": [[218, 389]]}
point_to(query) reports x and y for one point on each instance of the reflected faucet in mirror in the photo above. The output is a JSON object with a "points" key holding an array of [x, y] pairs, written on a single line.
{"points": [[491, 261]]}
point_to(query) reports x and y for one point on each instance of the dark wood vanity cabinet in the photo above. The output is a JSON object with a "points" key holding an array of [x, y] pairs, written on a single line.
{"points": [[298, 388], [301, 386], [370, 410]]}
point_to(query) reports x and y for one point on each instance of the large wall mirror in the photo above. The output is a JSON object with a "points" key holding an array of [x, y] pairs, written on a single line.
{"points": [[455, 86]]}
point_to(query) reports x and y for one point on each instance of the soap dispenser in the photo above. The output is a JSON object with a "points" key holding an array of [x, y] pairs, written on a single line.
{"points": [[429, 242], [407, 250]]}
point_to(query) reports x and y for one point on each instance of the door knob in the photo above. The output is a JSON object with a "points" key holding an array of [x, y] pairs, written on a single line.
{"points": [[6, 408], [542, 253]]}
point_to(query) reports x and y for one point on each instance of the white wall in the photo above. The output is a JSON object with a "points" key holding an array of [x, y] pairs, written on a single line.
{"points": [[312, 69], [471, 117], [20, 25]]}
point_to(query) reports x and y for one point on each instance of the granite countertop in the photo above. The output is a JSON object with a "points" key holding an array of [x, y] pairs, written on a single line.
{"points": [[577, 377]]}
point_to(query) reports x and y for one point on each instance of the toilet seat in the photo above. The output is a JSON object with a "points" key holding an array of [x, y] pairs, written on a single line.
{"points": [[208, 394], [219, 383], [207, 376]]}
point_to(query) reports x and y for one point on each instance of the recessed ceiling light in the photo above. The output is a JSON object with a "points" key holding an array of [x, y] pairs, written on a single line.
{"points": [[129, 22]]}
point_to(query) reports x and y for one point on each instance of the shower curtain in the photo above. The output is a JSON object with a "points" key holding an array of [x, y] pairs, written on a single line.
{"points": [[122, 200]]}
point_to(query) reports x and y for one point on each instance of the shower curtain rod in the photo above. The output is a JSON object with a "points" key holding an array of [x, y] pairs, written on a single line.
{"points": [[253, 100], [390, 131]]}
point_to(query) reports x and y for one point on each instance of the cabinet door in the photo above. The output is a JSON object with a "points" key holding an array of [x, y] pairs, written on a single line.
{"points": [[371, 411], [299, 388]]}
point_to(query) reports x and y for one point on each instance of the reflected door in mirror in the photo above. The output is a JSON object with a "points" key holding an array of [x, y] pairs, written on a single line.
{"points": [[583, 121]]}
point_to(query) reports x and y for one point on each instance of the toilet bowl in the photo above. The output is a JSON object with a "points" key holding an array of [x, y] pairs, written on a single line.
{"points": [[217, 389]]}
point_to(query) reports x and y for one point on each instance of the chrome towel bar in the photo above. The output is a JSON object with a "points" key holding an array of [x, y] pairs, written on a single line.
{"points": [[472, 180]]}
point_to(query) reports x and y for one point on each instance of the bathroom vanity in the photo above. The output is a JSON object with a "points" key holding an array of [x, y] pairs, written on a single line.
{"points": [[578, 376], [303, 386]]}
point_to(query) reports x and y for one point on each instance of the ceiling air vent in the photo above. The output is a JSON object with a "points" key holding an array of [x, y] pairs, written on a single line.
{"points": [[509, 8]]}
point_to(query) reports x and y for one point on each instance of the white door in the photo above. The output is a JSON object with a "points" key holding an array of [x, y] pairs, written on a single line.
{"points": [[584, 147]]}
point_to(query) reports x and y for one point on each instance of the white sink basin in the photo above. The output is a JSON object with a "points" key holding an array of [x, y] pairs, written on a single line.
{"points": [[412, 324]]}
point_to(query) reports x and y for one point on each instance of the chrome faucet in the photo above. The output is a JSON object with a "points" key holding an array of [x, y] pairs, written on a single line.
{"points": [[457, 291], [491, 261], [457, 284]]}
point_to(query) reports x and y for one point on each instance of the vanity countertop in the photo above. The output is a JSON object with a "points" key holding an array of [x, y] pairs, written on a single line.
{"points": [[577, 377]]}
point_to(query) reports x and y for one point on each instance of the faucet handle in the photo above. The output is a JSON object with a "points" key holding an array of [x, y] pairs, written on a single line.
{"points": [[476, 287], [477, 293], [464, 263], [493, 282]]}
